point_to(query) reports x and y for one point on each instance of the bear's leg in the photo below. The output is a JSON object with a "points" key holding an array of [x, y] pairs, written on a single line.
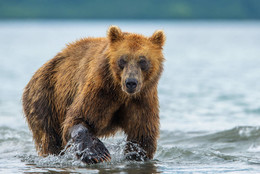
{"points": [[47, 142], [134, 151], [88, 147], [43, 123], [140, 150], [141, 126]]}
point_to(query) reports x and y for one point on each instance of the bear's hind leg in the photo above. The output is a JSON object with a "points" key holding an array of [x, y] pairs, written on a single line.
{"points": [[50, 143], [42, 121]]}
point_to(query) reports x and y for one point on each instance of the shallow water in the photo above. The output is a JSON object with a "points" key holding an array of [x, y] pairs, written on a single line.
{"points": [[209, 96]]}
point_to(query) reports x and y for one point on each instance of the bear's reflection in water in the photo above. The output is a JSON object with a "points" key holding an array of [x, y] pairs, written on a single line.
{"points": [[128, 167]]}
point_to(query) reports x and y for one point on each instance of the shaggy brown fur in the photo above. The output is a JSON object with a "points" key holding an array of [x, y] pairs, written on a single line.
{"points": [[84, 84]]}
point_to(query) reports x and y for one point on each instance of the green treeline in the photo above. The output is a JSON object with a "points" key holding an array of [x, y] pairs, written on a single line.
{"points": [[129, 9]]}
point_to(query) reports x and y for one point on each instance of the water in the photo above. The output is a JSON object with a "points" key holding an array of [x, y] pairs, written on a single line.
{"points": [[209, 96]]}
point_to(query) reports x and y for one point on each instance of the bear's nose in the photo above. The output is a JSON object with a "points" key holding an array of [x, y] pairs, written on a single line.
{"points": [[131, 83]]}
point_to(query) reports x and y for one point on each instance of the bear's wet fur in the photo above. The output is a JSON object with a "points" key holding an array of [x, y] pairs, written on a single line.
{"points": [[95, 87]]}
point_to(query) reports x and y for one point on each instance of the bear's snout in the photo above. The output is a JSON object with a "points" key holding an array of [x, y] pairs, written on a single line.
{"points": [[131, 84]]}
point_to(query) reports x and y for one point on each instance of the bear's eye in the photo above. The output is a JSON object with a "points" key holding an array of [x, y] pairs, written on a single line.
{"points": [[144, 64], [121, 63]]}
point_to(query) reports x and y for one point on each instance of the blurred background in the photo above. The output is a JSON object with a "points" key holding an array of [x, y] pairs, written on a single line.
{"points": [[125, 9], [209, 92]]}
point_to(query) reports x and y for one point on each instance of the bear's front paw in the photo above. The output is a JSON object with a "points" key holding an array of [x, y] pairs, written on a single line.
{"points": [[134, 152], [136, 156], [88, 147], [92, 152]]}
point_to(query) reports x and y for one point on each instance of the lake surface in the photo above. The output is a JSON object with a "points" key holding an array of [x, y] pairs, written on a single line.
{"points": [[209, 96]]}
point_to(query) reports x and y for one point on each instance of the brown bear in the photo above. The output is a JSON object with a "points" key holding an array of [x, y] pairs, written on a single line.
{"points": [[93, 88]]}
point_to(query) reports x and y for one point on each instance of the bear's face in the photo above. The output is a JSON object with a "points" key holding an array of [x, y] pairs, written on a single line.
{"points": [[135, 60]]}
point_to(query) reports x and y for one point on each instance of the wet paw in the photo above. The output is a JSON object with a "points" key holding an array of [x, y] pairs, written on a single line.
{"points": [[136, 156], [88, 147], [93, 152], [134, 152]]}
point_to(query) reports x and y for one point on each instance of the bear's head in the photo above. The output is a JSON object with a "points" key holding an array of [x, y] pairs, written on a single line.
{"points": [[136, 61]]}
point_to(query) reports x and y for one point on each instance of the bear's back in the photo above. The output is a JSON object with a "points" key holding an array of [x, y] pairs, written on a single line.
{"points": [[66, 73], [79, 62]]}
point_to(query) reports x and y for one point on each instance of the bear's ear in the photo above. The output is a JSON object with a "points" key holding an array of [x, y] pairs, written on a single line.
{"points": [[158, 38], [114, 34]]}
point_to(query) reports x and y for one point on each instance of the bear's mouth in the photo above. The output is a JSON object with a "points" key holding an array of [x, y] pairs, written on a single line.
{"points": [[130, 91]]}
